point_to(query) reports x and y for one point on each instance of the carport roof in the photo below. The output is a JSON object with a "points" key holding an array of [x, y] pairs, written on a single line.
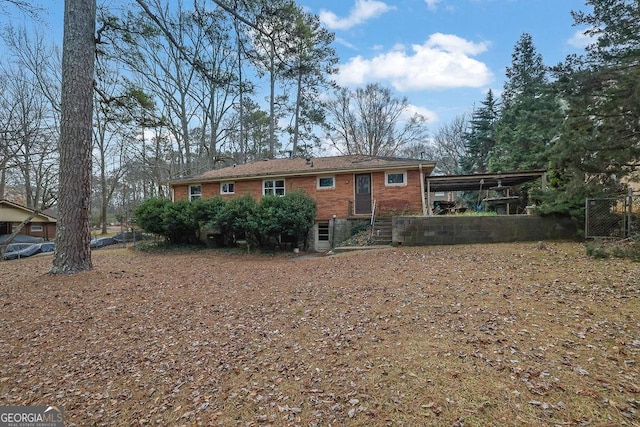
{"points": [[481, 181]]}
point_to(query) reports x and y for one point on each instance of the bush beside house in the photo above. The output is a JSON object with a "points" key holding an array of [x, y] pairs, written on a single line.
{"points": [[271, 222]]}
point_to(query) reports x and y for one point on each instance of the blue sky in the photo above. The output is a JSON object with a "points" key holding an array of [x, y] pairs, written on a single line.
{"points": [[443, 55]]}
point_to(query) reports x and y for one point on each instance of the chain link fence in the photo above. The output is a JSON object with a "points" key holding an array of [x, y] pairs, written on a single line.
{"points": [[616, 217]]}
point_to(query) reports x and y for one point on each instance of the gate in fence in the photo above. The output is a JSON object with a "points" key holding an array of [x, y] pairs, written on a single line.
{"points": [[615, 217]]}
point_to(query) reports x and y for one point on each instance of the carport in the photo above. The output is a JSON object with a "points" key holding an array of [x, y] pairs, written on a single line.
{"points": [[479, 182]]}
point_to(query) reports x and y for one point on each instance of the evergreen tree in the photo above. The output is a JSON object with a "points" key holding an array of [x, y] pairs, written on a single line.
{"points": [[313, 60], [600, 139], [530, 114], [271, 47], [527, 73], [480, 140]]}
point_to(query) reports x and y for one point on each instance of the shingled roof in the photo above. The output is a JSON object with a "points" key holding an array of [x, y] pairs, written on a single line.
{"points": [[308, 166], [47, 215]]}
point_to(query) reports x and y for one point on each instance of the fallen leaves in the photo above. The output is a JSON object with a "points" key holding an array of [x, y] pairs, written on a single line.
{"points": [[479, 335]]}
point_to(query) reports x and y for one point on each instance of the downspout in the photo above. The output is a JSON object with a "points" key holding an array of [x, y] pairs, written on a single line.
{"points": [[422, 178]]}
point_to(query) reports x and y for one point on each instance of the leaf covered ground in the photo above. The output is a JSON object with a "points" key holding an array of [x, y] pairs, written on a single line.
{"points": [[504, 334]]}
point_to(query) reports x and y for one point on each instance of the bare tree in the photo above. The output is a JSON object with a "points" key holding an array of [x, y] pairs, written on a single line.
{"points": [[110, 132], [35, 137], [32, 52], [372, 121], [30, 115], [449, 145], [219, 79], [25, 6], [72, 253], [164, 54], [9, 143]]}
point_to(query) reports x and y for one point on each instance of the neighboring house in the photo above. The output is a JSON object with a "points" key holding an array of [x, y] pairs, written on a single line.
{"points": [[12, 215], [345, 188]]}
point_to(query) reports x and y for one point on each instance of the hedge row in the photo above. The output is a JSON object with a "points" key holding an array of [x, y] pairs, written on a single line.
{"points": [[272, 221]]}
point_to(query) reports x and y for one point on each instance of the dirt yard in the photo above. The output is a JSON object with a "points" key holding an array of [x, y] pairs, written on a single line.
{"points": [[504, 334]]}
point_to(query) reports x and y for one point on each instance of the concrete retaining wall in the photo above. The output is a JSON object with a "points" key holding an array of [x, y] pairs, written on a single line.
{"points": [[451, 230]]}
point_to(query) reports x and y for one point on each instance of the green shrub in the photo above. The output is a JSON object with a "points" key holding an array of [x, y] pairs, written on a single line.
{"points": [[616, 248], [207, 211], [149, 215], [176, 222], [297, 216], [272, 221], [237, 220], [179, 224], [596, 249], [268, 214]]}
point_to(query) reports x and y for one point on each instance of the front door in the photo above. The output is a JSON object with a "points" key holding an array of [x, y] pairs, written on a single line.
{"points": [[363, 193]]}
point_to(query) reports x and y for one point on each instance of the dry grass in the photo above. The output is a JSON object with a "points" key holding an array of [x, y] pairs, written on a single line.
{"points": [[505, 334]]}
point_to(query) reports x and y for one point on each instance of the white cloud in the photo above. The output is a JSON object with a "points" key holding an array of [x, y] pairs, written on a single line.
{"points": [[430, 115], [580, 39], [361, 11], [345, 43], [432, 4], [443, 61]]}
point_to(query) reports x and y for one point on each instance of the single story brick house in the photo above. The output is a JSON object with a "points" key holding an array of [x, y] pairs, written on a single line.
{"points": [[43, 224], [346, 189]]}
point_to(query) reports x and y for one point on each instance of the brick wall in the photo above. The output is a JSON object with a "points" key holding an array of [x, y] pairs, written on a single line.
{"points": [[331, 201], [398, 200]]}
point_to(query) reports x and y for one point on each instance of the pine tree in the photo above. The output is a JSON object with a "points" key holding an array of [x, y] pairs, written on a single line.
{"points": [[312, 60], [72, 253], [530, 114], [480, 140], [600, 139]]}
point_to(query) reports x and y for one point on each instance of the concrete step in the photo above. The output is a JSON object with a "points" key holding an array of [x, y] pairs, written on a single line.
{"points": [[382, 231]]}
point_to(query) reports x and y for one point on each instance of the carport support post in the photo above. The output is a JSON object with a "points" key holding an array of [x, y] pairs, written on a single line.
{"points": [[422, 178], [428, 210]]}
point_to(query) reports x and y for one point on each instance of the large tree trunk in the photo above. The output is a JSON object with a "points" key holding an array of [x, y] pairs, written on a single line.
{"points": [[3, 178], [72, 253], [296, 124], [272, 103]]}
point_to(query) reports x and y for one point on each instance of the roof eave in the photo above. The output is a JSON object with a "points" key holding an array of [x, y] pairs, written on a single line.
{"points": [[326, 171]]}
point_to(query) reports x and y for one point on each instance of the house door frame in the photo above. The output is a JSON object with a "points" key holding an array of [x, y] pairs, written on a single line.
{"points": [[323, 236], [362, 193]]}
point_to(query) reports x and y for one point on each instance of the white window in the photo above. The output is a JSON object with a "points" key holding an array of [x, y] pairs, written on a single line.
{"points": [[326, 182], [36, 227], [227, 188], [273, 186], [195, 192], [395, 178]]}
